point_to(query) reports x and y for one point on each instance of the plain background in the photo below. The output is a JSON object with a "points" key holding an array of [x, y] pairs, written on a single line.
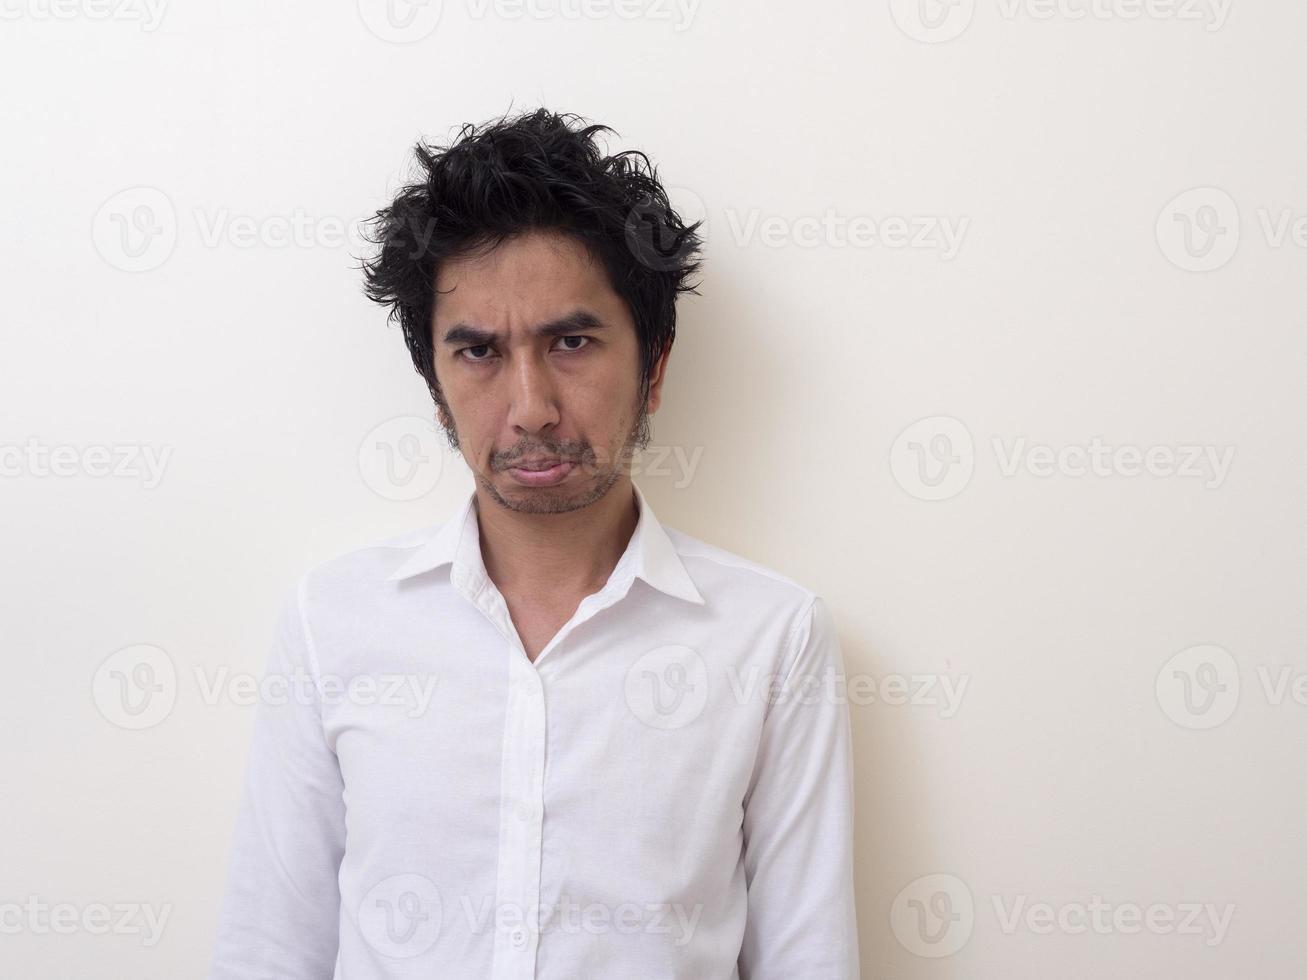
{"points": [[897, 423]]}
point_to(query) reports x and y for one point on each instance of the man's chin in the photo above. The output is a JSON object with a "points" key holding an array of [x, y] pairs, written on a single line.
{"points": [[577, 489]]}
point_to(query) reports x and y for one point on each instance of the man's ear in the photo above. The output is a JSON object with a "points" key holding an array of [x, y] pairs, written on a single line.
{"points": [[656, 376]]}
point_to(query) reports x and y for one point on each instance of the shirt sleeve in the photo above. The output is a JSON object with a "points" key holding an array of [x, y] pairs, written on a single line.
{"points": [[798, 820], [280, 913]]}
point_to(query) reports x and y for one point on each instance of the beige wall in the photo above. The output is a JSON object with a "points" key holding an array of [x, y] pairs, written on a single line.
{"points": [[977, 242]]}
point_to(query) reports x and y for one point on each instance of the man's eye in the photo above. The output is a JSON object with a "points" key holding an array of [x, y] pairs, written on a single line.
{"points": [[479, 352]]}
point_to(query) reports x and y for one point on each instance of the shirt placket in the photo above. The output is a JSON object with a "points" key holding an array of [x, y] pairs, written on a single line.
{"points": [[521, 811], [517, 934]]}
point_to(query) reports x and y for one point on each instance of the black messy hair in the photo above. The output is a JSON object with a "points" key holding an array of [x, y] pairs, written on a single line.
{"points": [[537, 170]]}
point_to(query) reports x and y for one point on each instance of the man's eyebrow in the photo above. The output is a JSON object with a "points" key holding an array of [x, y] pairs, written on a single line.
{"points": [[575, 322]]}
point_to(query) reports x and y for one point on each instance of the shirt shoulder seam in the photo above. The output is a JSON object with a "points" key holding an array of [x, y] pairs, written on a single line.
{"points": [[794, 647], [306, 632]]}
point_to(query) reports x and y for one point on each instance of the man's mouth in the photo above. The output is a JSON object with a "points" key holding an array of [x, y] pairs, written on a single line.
{"points": [[538, 463], [541, 471]]}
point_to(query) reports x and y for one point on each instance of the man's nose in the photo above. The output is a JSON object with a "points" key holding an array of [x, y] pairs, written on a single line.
{"points": [[534, 405]]}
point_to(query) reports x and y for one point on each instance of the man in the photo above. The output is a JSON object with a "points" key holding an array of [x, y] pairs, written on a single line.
{"points": [[612, 750]]}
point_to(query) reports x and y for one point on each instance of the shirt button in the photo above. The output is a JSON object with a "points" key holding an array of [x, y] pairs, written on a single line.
{"points": [[525, 811], [518, 936]]}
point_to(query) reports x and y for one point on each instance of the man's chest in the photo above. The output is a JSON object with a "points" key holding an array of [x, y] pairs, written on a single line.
{"points": [[623, 709], [623, 753], [596, 713]]}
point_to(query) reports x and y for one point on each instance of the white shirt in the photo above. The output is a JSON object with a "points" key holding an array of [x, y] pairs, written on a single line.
{"points": [[664, 794]]}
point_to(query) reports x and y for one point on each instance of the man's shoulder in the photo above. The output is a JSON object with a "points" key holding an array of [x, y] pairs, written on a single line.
{"points": [[368, 564], [716, 570]]}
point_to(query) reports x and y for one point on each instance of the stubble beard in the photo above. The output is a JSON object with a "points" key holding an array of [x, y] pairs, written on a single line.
{"points": [[562, 500]]}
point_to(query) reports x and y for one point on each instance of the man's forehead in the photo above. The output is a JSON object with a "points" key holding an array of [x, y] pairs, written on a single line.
{"points": [[525, 280]]}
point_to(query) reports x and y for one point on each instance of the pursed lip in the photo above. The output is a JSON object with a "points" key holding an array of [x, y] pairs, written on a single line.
{"points": [[538, 463]]}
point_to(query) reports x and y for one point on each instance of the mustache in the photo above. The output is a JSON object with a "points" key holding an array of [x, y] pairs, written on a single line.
{"points": [[564, 452]]}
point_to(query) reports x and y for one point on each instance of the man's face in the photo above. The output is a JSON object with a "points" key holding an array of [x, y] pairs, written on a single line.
{"points": [[537, 356]]}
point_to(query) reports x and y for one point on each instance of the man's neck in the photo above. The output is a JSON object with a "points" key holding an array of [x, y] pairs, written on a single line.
{"points": [[567, 554]]}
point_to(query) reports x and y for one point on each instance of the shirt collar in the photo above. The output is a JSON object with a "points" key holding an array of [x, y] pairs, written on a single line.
{"points": [[650, 555]]}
